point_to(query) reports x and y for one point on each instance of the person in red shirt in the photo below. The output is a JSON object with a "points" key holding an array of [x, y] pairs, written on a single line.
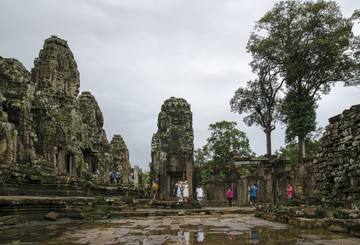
{"points": [[229, 197], [289, 191]]}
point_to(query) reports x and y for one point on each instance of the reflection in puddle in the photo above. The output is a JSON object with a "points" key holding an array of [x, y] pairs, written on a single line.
{"points": [[232, 229]]}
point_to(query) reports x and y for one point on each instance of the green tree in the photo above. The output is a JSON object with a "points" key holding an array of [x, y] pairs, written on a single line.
{"points": [[224, 139], [260, 100], [312, 46], [291, 150]]}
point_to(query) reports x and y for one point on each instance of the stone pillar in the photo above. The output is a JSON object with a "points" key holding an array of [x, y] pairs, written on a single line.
{"points": [[136, 176], [189, 173]]}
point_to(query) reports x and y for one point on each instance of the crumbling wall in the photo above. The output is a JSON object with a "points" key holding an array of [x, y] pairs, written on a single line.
{"points": [[337, 164]]}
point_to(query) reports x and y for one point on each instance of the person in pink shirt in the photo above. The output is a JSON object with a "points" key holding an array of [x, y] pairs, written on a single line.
{"points": [[289, 191], [229, 196]]}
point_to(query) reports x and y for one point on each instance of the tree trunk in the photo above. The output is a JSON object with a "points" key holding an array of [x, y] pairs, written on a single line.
{"points": [[268, 141], [301, 143]]}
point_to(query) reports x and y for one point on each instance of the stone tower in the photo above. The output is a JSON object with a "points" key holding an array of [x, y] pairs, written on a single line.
{"points": [[120, 158], [55, 108], [172, 147]]}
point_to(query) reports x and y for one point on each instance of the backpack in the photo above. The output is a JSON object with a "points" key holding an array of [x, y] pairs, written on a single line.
{"points": [[156, 187]]}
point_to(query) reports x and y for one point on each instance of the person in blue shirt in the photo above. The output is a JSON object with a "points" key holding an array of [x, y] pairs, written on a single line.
{"points": [[253, 195], [117, 177]]}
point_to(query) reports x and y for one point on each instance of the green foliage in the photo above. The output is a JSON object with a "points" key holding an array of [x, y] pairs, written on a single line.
{"points": [[206, 173], [222, 175], [291, 150], [299, 116], [225, 139], [280, 207], [145, 178], [260, 101], [311, 46], [335, 212], [200, 157]]}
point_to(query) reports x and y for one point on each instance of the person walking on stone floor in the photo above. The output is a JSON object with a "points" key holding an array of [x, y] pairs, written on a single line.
{"points": [[117, 177], [253, 195], [289, 192], [175, 191], [186, 191], [112, 177], [200, 195], [147, 190], [180, 191], [229, 197], [154, 188]]}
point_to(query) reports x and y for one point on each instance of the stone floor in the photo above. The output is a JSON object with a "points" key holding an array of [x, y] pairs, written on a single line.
{"points": [[216, 228]]}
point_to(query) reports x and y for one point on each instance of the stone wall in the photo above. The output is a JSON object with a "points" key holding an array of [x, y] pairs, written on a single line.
{"points": [[331, 178], [337, 164], [270, 175], [172, 147]]}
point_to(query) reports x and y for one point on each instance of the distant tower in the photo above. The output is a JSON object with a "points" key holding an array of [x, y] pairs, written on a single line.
{"points": [[172, 147]]}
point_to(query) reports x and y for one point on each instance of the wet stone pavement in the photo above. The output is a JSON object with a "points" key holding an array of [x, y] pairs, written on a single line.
{"points": [[195, 229]]}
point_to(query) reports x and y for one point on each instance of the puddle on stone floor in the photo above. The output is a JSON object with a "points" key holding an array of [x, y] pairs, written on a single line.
{"points": [[169, 230]]}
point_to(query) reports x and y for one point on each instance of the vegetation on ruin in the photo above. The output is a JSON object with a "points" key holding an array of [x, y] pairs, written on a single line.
{"points": [[260, 100], [291, 150], [219, 150], [303, 48]]}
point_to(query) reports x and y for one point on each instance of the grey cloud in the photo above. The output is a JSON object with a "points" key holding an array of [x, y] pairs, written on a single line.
{"points": [[134, 54]]}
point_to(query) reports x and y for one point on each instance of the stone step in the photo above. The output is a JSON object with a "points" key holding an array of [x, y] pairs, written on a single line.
{"points": [[180, 212], [159, 204]]}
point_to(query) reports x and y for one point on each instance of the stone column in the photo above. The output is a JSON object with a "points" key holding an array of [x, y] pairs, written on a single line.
{"points": [[136, 176], [189, 173]]}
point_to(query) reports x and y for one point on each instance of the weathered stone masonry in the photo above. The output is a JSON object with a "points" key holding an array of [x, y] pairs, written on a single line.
{"points": [[172, 147], [47, 131], [337, 165]]}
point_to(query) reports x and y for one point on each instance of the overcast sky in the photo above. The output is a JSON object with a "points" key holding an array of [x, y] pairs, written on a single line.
{"points": [[132, 55]]}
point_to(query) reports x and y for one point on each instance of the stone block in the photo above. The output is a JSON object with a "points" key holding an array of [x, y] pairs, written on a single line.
{"points": [[354, 227], [52, 216], [338, 226], [305, 223], [8, 220]]}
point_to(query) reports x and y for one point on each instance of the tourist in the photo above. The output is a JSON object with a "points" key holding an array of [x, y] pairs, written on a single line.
{"points": [[154, 188], [187, 237], [289, 192], [186, 191], [254, 237], [229, 196], [200, 235], [147, 190], [253, 195], [112, 177], [199, 194], [175, 191], [117, 177], [180, 190]]}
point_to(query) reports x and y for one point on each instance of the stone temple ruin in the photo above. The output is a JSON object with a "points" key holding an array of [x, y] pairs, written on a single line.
{"points": [[54, 151], [48, 132], [172, 147]]}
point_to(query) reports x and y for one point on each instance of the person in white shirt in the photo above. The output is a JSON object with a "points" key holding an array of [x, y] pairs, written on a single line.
{"points": [[186, 191], [199, 194]]}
